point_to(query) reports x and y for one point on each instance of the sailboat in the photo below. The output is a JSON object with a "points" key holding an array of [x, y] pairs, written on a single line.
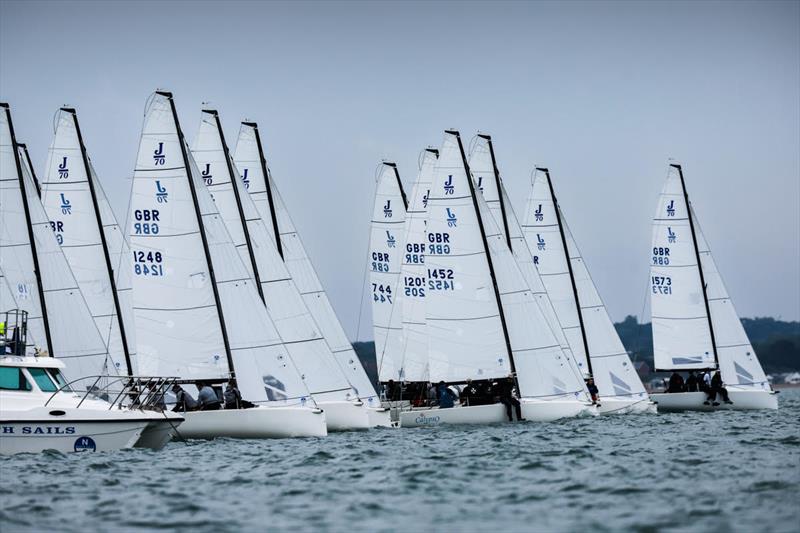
{"points": [[581, 312], [295, 325], [695, 326], [249, 159], [483, 320], [197, 309]]}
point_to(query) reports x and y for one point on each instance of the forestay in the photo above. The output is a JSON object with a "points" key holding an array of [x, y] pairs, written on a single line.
{"points": [[249, 159], [611, 366], [386, 243], [414, 360], [62, 323], [198, 312], [250, 235], [681, 336], [69, 199]]}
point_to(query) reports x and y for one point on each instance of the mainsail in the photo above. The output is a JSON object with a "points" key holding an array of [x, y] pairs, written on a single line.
{"points": [[39, 274], [586, 324], [72, 198], [695, 325], [249, 158], [386, 243], [285, 306], [198, 311]]}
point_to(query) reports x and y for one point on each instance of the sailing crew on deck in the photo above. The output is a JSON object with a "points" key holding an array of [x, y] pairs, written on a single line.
{"points": [[705, 384], [471, 395], [718, 388], [692, 382], [505, 392], [233, 398], [208, 398], [183, 400], [594, 392], [446, 396], [676, 383]]}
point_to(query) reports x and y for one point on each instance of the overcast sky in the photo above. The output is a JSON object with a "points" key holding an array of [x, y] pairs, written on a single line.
{"points": [[602, 93]]}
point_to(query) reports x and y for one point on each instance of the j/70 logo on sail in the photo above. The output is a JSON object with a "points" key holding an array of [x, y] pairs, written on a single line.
{"points": [[538, 214], [671, 237], [671, 208], [387, 209], [206, 173], [425, 198], [480, 182], [539, 242], [66, 207], [390, 240], [451, 218], [63, 171], [161, 193], [449, 188], [159, 157], [246, 179]]}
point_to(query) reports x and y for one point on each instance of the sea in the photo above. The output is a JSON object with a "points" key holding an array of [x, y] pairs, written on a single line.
{"points": [[722, 471]]}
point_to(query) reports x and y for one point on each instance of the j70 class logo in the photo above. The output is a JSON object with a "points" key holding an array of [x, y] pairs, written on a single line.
{"points": [[206, 174], [537, 214], [387, 209], [425, 198], [451, 218], [480, 183], [159, 157], [390, 240], [63, 171], [161, 193], [540, 244], [671, 237], [449, 188], [671, 208], [246, 179], [66, 206]]}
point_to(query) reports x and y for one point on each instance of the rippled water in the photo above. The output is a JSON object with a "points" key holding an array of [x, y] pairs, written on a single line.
{"points": [[712, 472]]}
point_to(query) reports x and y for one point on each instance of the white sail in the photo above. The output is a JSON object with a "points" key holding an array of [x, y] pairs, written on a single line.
{"points": [[414, 360], [612, 368], [26, 240], [681, 335], [68, 199], [258, 181], [386, 243], [285, 306], [9, 303], [198, 312]]}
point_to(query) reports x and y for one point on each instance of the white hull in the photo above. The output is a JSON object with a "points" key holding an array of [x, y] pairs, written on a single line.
{"points": [[379, 417], [549, 410], [627, 406], [35, 434], [159, 431], [255, 423], [693, 401], [475, 414], [344, 415]]}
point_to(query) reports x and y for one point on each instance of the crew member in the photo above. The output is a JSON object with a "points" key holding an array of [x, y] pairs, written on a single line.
{"points": [[676, 383], [718, 388], [446, 396], [208, 398], [505, 392], [183, 400], [594, 392], [692, 382]]}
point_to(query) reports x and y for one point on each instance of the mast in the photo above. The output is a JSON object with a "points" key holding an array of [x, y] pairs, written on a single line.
{"points": [[30, 166], [569, 267], [699, 264], [268, 185], [499, 190], [211, 274], [36, 270], [399, 183], [106, 255], [488, 256], [246, 231]]}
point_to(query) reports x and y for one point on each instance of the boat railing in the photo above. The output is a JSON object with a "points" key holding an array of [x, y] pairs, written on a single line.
{"points": [[122, 392]]}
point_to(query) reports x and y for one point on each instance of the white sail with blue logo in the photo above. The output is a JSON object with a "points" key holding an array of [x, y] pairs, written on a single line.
{"points": [[414, 360], [580, 310], [250, 160], [386, 243], [71, 196], [483, 320], [197, 309], [285, 306], [39, 274], [683, 297]]}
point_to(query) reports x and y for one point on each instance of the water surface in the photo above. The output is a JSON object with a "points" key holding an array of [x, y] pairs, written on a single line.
{"points": [[723, 471]]}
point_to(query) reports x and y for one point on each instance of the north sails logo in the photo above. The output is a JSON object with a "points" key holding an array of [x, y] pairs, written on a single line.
{"points": [[63, 171], [159, 157]]}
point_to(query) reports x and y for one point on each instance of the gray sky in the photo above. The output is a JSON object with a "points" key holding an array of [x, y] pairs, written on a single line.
{"points": [[602, 93]]}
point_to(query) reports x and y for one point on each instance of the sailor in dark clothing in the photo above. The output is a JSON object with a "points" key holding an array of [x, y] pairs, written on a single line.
{"points": [[692, 383], [505, 393], [472, 394], [233, 398], [676, 383], [446, 396], [594, 392], [208, 398], [717, 388], [183, 400]]}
